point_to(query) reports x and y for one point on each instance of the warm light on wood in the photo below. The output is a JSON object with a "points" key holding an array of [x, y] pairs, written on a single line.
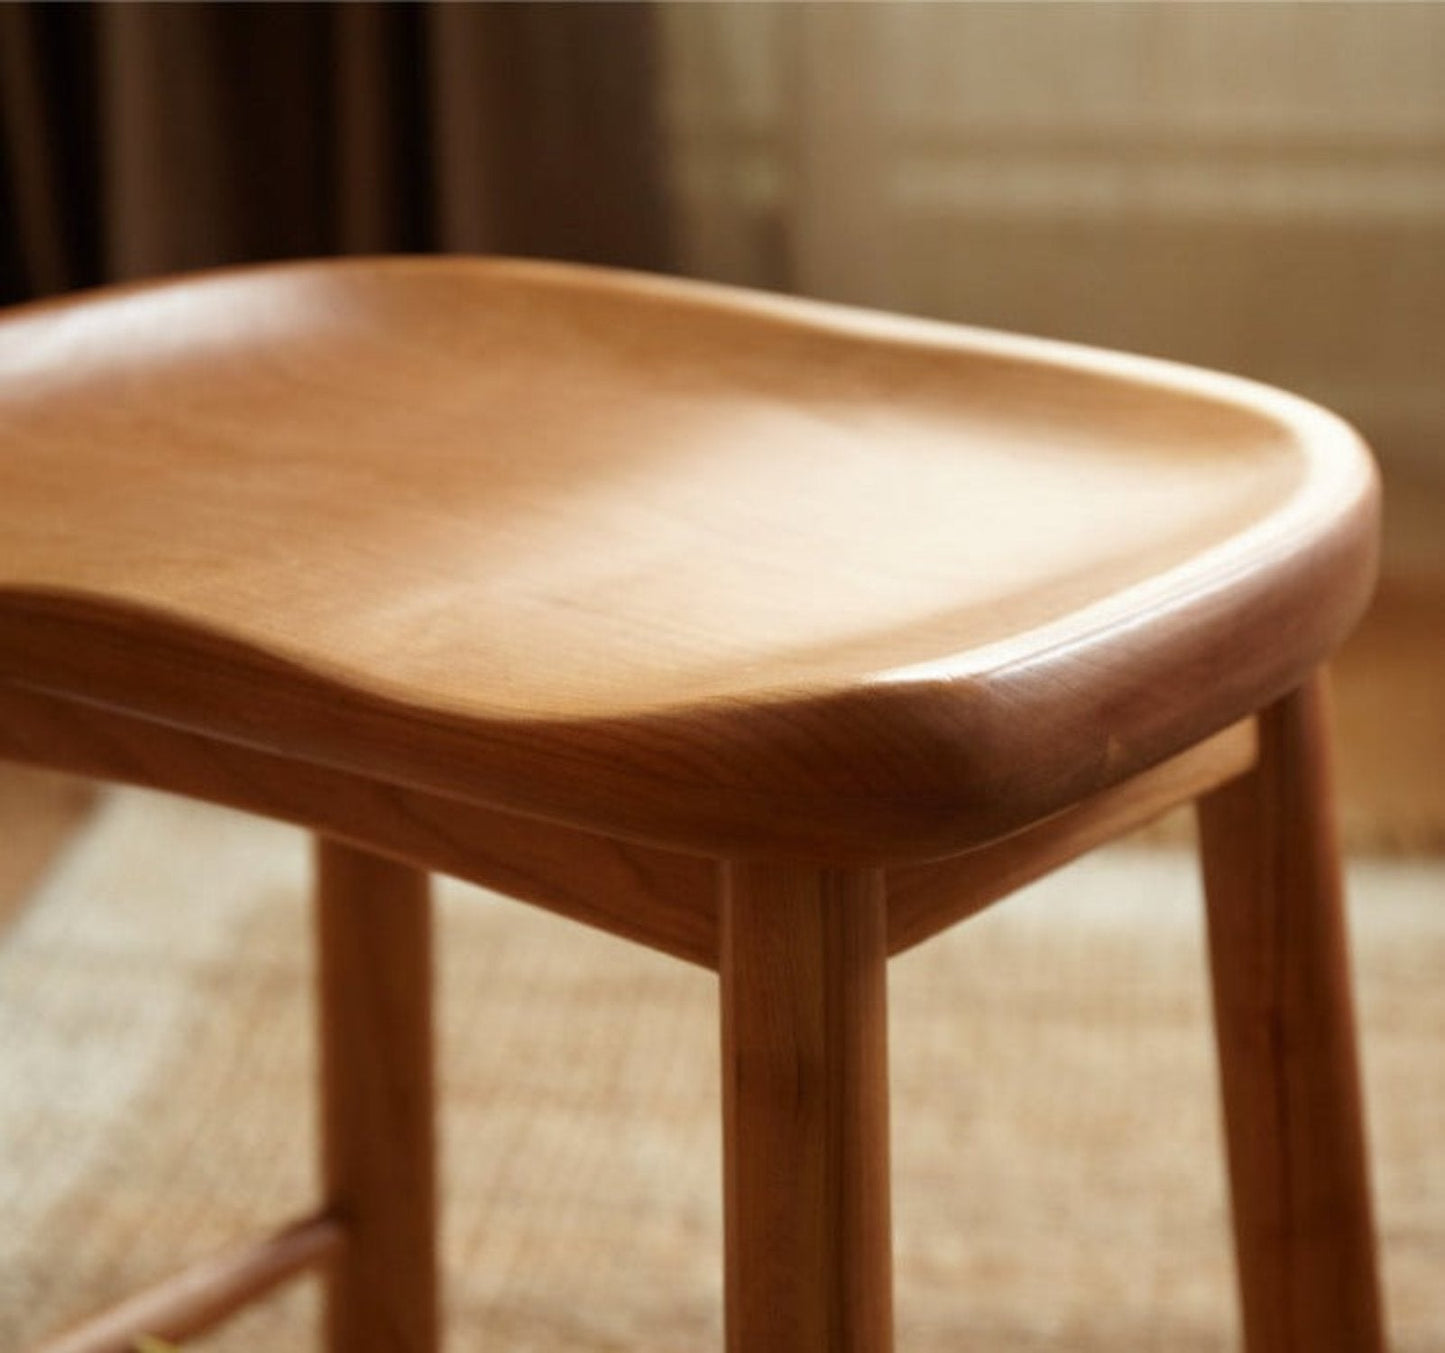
{"points": [[805, 1110], [772, 635], [926, 898], [378, 1128], [1285, 1025], [660, 898], [200, 1297], [728, 573]]}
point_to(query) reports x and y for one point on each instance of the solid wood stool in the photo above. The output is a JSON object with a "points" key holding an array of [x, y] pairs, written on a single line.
{"points": [[775, 636]]}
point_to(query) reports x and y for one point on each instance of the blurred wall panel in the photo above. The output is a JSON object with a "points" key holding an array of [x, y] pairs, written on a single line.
{"points": [[1254, 187]]}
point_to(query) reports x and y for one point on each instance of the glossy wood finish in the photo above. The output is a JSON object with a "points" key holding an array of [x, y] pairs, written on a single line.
{"points": [[722, 572], [805, 1110], [705, 618], [660, 898], [204, 1295], [1285, 1027], [378, 1118], [924, 899]]}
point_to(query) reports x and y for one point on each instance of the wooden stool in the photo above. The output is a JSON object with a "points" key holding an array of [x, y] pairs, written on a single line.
{"points": [[775, 636]]}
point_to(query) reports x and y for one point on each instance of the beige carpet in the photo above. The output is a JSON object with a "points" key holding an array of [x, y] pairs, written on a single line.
{"points": [[1055, 1131]]}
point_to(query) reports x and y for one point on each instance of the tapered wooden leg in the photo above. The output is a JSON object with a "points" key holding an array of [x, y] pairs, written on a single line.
{"points": [[1285, 1027], [377, 1112], [805, 1110]]}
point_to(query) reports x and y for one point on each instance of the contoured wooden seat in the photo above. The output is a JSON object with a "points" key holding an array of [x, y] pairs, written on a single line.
{"points": [[714, 570], [540, 573]]}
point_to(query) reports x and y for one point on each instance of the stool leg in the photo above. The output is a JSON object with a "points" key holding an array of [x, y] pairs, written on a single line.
{"points": [[805, 1110], [374, 926], [1285, 1029]]}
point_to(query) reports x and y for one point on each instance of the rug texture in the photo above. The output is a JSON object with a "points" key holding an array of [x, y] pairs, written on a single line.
{"points": [[1056, 1140]]}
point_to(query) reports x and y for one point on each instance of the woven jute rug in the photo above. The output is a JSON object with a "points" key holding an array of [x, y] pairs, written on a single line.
{"points": [[1056, 1141]]}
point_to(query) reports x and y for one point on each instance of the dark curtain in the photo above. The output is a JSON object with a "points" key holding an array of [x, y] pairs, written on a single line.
{"points": [[143, 138]]}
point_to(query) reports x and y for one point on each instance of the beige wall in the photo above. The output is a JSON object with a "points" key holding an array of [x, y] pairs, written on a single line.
{"points": [[1258, 187]]}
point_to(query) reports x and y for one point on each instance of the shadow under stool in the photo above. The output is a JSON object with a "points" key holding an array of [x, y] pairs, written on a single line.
{"points": [[773, 635]]}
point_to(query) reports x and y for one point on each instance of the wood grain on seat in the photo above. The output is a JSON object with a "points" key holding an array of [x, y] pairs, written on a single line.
{"points": [[732, 573]]}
